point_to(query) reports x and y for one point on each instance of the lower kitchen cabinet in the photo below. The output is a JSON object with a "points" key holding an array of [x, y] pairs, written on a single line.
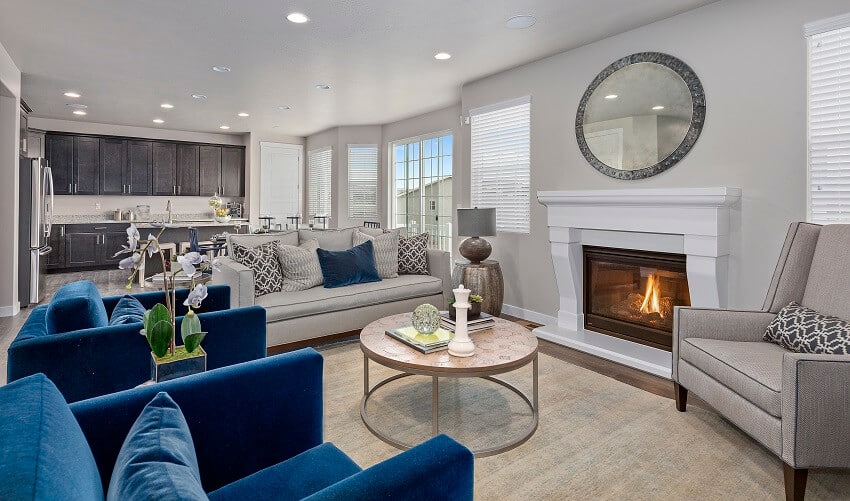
{"points": [[82, 248], [56, 258]]}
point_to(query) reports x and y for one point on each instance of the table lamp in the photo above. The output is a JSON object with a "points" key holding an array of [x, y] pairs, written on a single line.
{"points": [[475, 223]]}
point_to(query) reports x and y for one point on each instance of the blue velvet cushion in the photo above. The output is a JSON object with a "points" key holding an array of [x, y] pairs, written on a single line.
{"points": [[295, 478], [128, 311], [157, 459], [43, 452], [76, 306], [353, 266]]}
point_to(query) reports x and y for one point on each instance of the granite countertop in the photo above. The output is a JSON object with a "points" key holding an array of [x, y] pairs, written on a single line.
{"points": [[178, 221]]}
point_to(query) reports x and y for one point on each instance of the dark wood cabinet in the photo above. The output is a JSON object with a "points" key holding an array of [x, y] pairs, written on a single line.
{"points": [[164, 169], [232, 171], [110, 243], [137, 175], [86, 165], [82, 248], [210, 168], [59, 150], [113, 161], [56, 258], [188, 169]]}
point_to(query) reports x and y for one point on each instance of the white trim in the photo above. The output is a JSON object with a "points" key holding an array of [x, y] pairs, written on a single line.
{"points": [[297, 149], [531, 316], [828, 24], [10, 311], [500, 105]]}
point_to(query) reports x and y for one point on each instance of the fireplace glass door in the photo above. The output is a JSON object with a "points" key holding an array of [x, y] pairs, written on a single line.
{"points": [[631, 294]]}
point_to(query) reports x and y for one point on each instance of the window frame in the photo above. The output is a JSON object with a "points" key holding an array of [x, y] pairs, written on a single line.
{"points": [[310, 187], [353, 203]]}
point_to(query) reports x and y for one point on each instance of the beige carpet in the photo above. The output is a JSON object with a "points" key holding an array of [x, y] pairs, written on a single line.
{"points": [[598, 438]]}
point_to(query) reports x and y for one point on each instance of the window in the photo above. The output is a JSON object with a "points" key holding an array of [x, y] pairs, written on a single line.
{"points": [[829, 120], [362, 181], [501, 162], [319, 182], [422, 188]]}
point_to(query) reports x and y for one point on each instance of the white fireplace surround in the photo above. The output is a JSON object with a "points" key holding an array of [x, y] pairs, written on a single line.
{"points": [[691, 221]]}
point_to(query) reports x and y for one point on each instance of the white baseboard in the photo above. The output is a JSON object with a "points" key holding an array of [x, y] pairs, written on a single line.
{"points": [[531, 316], [10, 311]]}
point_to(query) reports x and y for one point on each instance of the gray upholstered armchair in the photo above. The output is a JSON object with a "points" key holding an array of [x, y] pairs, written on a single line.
{"points": [[796, 405]]}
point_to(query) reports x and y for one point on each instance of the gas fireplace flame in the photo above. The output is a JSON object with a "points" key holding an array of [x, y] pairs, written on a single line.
{"points": [[652, 297]]}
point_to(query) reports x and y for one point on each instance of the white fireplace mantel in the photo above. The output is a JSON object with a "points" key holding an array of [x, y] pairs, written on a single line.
{"points": [[690, 221]]}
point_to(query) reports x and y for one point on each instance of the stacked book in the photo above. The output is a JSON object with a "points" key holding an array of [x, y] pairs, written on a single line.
{"points": [[426, 343], [484, 321]]}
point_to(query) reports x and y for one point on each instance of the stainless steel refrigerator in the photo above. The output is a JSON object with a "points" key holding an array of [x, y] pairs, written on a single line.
{"points": [[36, 211]]}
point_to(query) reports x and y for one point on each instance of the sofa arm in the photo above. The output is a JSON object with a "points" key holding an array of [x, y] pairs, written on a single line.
{"points": [[815, 410], [240, 278], [440, 266], [243, 418], [233, 336], [439, 468]]}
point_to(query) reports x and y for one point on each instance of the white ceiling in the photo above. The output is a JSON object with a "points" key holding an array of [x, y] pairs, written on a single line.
{"points": [[127, 57]]}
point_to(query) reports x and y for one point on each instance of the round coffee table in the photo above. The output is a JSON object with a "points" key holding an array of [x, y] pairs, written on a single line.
{"points": [[505, 347]]}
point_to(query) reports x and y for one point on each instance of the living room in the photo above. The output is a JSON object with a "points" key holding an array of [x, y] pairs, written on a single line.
{"points": [[350, 80]]}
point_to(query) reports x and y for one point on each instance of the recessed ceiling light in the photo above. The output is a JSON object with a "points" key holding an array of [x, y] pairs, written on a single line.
{"points": [[323, 86], [223, 127], [284, 108], [442, 56], [297, 17], [79, 112], [275, 126], [198, 96], [243, 115], [166, 106], [521, 22], [659, 107], [158, 121], [221, 69], [76, 106], [611, 96], [71, 93]]}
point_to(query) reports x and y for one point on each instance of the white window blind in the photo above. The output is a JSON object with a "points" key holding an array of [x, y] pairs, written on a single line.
{"points": [[829, 126], [319, 182], [362, 180], [501, 162]]}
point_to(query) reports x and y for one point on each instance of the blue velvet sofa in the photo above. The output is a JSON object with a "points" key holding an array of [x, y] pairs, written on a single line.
{"points": [[89, 358], [257, 434]]}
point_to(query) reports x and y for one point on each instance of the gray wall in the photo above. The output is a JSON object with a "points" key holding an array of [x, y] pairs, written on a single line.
{"points": [[10, 95], [751, 58]]}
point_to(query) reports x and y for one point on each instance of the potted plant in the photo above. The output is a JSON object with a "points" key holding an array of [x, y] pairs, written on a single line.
{"points": [[475, 301], [169, 361]]}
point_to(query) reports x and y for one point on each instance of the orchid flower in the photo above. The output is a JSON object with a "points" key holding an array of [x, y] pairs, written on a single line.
{"points": [[188, 262], [215, 264], [133, 237], [131, 262], [153, 245], [196, 295]]}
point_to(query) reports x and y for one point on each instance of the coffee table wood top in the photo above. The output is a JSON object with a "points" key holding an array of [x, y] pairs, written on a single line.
{"points": [[502, 348]]}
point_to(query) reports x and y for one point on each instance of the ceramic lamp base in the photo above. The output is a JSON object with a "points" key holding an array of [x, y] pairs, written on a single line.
{"points": [[476, 249]]}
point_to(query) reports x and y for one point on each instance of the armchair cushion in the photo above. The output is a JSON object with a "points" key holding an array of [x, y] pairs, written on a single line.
{"points": [[76, 306], [128, 311], [157, 459], [803, 330], [752, 370], [295, 478]]}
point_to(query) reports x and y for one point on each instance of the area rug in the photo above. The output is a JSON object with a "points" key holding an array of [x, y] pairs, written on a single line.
{"points": [[598, 438]]}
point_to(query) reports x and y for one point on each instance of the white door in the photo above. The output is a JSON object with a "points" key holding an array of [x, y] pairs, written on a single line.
{"points": [[281, 180]]}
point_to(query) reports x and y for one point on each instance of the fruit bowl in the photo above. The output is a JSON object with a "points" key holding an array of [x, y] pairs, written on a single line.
{"points": [[223, 219]]}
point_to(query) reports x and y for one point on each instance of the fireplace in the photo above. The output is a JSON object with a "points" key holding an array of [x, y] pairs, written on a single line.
{"points": [[630, 294]]}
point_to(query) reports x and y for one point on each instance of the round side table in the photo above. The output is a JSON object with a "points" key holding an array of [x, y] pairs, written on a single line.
{"points": [[484, 279]]}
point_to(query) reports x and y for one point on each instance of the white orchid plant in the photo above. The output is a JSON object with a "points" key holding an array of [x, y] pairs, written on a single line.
{"points": [[160, 321]]}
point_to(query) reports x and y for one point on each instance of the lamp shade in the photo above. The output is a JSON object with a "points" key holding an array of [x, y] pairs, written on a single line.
{"points": [[476, 222]]}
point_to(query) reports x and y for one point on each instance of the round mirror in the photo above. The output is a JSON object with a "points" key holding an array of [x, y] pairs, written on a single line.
{"points": [[640, 116]]}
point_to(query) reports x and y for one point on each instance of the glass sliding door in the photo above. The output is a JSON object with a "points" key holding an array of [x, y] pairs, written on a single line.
{"points": [[422, 177]]}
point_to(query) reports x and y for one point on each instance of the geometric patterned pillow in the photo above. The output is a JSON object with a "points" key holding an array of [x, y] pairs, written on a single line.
{"points": [[803, 330], [385, 249], [262, 260], [300, 266], [413, 255]]}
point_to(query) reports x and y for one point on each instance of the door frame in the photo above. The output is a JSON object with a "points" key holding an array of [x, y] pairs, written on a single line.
{"points": [[291, 148]]}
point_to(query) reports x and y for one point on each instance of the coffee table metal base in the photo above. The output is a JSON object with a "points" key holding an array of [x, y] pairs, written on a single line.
{"points": [[435, 407]]}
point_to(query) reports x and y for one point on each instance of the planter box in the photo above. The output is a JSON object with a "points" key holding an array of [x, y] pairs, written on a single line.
{"points": [[183, 364]]}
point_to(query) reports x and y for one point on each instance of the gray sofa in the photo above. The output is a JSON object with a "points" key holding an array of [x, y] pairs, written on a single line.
{"points": [[318, 312], [796, 405]]}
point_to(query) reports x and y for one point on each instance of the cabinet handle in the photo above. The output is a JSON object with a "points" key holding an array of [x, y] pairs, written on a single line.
{"points": [[75, 187], [129, 188], [70, 189], [100, 227], [174, 190], [61, 231], [179, 189]]}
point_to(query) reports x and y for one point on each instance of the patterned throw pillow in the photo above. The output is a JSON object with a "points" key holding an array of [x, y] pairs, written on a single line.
{"points": [[300, 266], [263, 262], [413, 255], [386, 251], [803, 330]]}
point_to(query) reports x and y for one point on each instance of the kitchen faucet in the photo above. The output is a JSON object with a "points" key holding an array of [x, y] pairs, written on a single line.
{"points": [[168, 210]]}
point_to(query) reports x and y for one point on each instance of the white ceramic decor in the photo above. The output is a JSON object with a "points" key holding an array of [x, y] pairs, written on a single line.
{"points": [[461, 345]]}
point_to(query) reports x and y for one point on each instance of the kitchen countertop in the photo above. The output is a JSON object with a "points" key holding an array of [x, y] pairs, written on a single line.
{"points": [[177, 223]]}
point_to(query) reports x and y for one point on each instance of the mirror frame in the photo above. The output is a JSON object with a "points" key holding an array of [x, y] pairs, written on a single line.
{"points": [[697, 119]]}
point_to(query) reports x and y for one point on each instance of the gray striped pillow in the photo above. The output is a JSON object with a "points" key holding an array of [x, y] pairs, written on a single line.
{"points": [[300, 266], [386, 251]]}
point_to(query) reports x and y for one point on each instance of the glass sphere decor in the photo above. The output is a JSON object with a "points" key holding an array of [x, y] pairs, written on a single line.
{"points": [[426, 319]]}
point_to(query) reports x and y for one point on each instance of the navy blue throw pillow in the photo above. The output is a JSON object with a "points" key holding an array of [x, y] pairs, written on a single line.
{"points": [[353, 266], [128, 311]]}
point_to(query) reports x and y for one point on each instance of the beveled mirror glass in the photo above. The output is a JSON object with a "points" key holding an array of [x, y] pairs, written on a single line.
{"points": [[640, 116]]}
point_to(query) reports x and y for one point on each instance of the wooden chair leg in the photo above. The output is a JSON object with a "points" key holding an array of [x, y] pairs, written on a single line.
{"points": [[681, 397], [795, 482]]}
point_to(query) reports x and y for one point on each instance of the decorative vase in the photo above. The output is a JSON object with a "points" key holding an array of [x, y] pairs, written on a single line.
{"points": [[461, 345], [474, 310], [426, 319], [181, 364]]}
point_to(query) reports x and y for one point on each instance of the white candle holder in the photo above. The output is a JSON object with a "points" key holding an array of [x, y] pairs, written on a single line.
{"points": [[461, 345]]}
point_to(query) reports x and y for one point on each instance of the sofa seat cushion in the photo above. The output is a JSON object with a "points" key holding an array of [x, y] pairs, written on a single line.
{"points": [[286, 305], [753, 370], [295, 478], [76, 306]]}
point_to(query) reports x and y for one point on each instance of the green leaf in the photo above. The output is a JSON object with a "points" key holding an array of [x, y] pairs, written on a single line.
{"points": [[156, 314], [192, 341], [190, 325], [159, 337], [145, 318]]}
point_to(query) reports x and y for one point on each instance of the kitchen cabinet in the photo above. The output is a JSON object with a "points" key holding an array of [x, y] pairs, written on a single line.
{"points": [[111, 242], [164, 169], [35, 144], [59, 150], [210, 168], [188, 169], [82, 248], [113, 164], [86, 177], [232, 171], [137, 174], [56, 258]]}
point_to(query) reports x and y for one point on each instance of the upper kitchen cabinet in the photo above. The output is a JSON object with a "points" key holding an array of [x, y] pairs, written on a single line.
{"points": [[164, 169], [210, 181], [188, 169], [86, 165], [59, 151], [113, 163], [138, 172], [232, 171]]}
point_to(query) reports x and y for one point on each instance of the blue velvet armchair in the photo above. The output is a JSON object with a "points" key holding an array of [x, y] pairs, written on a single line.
{"points": [[99, 360]]}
